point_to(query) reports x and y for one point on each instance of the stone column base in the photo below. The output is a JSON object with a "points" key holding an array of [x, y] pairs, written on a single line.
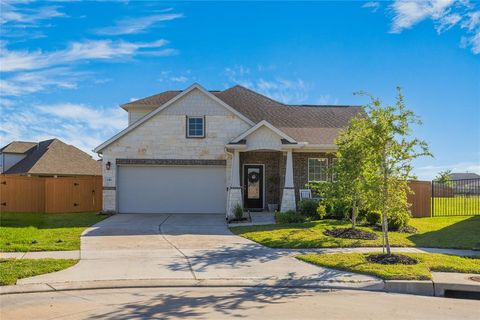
{"points": [[234, 197], [288, 200]]}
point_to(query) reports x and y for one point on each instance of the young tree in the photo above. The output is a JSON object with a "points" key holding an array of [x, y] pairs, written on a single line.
{"points": [[389, 150], [443, 177], [350, 166]]}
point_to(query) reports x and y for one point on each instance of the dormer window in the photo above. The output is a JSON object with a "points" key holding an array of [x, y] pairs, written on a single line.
{"points": [[195, 127]]}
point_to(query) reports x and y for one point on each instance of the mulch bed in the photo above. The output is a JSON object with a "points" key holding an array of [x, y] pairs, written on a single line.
{"points": [[408, 229], [349, 233], [391, 259]]}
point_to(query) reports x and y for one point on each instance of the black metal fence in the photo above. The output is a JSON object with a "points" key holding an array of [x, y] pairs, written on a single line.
{"points": [[456, 198]]}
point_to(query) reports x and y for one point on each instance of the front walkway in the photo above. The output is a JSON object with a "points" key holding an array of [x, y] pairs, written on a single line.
{"points": [[185, 247]]}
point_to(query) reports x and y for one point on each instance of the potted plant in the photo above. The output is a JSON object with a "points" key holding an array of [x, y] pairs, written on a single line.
{"points": [[273, 182]]}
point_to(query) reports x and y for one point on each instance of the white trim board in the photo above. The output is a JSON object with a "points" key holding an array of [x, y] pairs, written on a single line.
{"points": [[268, 125]]}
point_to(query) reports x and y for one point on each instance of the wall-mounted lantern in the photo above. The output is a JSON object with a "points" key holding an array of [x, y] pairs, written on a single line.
{"points": [[108, 165]]}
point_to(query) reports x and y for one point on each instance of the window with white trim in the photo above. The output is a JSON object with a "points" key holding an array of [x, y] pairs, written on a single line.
{"points": [[317, 169], [195, 127]]}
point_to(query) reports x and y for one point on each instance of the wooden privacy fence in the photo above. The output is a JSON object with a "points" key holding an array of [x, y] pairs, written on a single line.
{"points": [[420, 199], [48, 194]]}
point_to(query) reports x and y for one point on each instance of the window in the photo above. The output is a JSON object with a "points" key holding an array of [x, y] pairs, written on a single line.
{"points": [[333, 162], [195, 127], [317, 169]]}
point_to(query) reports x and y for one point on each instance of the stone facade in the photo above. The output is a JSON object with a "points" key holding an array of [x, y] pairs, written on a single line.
{"points": [[163, 137]]}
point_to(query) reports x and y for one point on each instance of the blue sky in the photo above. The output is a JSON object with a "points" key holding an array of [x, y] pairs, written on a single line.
{"points": [[67, 66]]}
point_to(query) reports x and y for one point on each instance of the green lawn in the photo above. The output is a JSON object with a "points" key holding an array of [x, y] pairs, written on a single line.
{"points": [[442, 232], [356, 262], [12, 269], [451, 206], [44, 231]]}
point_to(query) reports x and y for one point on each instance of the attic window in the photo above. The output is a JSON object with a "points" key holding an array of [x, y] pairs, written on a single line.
{"points": [[195, 127]]}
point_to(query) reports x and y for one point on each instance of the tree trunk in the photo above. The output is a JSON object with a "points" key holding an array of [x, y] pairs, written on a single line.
{"points": [[384, 210], [354, 214]]}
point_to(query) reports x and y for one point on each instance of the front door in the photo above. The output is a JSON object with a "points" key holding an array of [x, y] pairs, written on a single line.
{"points": [[253, 186]]}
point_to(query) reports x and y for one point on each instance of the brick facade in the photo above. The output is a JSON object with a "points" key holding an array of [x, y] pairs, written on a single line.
{"points": [[275, 166]]}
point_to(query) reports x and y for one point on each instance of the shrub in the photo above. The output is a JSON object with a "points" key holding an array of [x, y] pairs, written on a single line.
{"points": [[238, 211], [373, 217], [321, 211], [308, 208], [398, 220], [338, 212], [289, 217]]}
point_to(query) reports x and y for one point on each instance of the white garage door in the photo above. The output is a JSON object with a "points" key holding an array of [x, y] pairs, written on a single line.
{"points": [[171, 189]]}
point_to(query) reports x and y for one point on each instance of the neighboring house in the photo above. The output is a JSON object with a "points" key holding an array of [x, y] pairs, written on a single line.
{"points": [[199, 151], [465, 183], [47, 158], [463, 175]]}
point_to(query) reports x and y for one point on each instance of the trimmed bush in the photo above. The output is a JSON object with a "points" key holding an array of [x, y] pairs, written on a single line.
{"points": [[373, 217], [308, 208], [398, 220], [289, 217], [321, 211]]}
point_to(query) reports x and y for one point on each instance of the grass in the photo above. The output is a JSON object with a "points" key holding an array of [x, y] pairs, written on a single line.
{"points": [[12, 269], [44, 231], [357, 262], [453, 205], [440, 232]]}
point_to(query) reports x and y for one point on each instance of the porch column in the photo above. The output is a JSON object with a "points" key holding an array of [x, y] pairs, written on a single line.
{"points": [[288, 195], [234, 196]]}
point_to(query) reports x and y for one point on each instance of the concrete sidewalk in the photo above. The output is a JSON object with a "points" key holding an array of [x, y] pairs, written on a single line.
{"points": [[75, 254]]}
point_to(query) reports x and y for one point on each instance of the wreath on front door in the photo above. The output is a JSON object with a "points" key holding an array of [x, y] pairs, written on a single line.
{"points": [[253, 177]]}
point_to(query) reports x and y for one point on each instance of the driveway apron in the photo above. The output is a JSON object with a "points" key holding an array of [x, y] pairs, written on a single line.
{"points": [[181, 246]]}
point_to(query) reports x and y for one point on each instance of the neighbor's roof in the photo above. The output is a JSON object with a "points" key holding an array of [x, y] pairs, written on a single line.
{"points": [[316, 124], [54, 157], [18, 147], [463, 175]]}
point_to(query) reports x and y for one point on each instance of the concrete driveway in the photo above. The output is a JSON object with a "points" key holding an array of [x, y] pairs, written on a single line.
{"points": [[183, 246]]}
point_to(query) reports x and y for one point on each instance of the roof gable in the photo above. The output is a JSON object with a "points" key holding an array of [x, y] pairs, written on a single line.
{"points": [[55, 157], [19, 147], [260, 125], [167, 105]]}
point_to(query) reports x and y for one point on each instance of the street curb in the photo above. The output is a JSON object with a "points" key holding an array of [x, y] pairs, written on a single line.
{"points": [[122, 284], [421, 288]]}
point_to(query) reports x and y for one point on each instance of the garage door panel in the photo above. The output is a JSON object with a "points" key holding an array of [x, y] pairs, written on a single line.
{"points": [[171, 189]]}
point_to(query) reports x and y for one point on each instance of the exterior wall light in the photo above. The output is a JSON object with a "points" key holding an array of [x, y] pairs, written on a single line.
{"points": [[108, 165]]}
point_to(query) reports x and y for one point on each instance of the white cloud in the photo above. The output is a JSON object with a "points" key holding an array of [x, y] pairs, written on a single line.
{"points": [[445, 14], [80, 125], [167, 76], [78, 51], [407, 13], [430, 172], [327, 99], [35, 81], [281, 89], [137, 24], [12, 13], [373, 5]]}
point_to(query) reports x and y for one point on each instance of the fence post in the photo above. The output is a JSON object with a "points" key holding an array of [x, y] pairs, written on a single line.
{"points": [[433, 199]]}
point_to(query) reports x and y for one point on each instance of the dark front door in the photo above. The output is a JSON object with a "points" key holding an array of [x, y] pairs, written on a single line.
{"points": [[253, 186]]}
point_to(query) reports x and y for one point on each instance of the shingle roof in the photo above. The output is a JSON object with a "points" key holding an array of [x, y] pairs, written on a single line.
{"points": [[18, 147], [463, 175], [53, 157], [316, 124]]}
